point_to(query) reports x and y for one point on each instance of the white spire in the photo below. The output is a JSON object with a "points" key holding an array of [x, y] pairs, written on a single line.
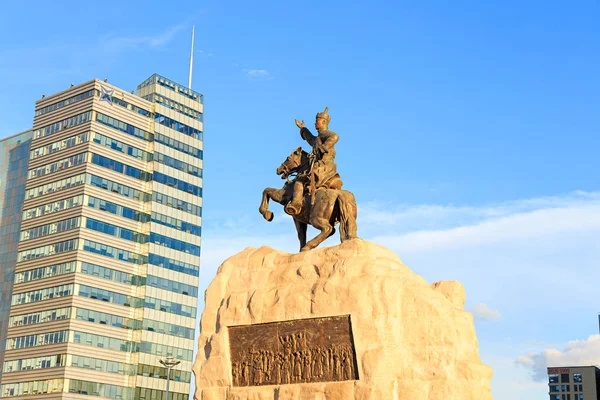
{"points": [[191, 61]]}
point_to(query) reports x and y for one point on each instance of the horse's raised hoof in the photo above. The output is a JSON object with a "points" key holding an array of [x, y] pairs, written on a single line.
{"points": [[268, 215]]}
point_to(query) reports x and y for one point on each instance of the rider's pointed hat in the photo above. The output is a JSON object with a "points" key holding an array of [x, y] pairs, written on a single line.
{"points": [[324, 115]]}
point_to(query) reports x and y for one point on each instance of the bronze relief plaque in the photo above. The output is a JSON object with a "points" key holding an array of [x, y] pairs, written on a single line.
{"points": [[297, 351]]}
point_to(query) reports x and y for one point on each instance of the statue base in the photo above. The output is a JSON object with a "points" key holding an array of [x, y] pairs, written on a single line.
{"points": [[343, 322]]}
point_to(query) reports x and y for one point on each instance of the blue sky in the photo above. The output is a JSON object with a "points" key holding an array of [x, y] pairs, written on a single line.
{"points": [[469, 133]]}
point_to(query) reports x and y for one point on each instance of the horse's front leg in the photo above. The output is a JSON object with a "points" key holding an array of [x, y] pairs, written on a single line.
{"points": [[268, 194]]}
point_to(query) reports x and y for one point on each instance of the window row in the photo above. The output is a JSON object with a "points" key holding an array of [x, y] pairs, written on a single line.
{"points": [[110, 297], [122, 147], [104, 342], [68, 101], [116, 231], [48, 250], [168, 329], [42, 339], [177, 145], [131, 107], [175, 244], [164, 350], [97, 364], [101, 318], [112, 274], [173, 105], [155, 371], [118, 188], [121, 168], [62, 144], [58, 126], [32, 387], [49, 229], [123, 127], [172, 286], [177, 203], [157, 79], [173, 265], [46, 272], [59, 165], [156, 394], [101, 390], [178, 184], [176, 224], [117, 209], [42, 294], [56, 186], [178, 164], [53, 207], [115, 253], [177, 126], [27, 364], [170, 307], [40, 317]]}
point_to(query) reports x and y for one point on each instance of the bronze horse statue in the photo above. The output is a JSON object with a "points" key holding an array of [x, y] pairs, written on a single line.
{"points": [[322, 209]]}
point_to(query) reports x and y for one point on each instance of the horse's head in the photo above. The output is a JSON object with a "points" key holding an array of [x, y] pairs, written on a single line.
{"points": [[292, 163]]}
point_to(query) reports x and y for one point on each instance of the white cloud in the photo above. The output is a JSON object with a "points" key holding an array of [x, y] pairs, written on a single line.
{"points": [[257, 74], [115, 44], [576, 352], [482, 311]]}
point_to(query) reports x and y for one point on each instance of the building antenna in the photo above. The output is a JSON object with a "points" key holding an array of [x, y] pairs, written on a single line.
{"points": [[191, 61]]}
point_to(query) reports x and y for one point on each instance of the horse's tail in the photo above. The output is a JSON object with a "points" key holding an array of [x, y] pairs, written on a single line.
{"points": [[348, 213]]}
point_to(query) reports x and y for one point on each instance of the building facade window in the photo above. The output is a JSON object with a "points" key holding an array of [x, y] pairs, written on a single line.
{"points": [[64, 124], [168, 329], [176, 224], [173, 265], [166, 351], [42, 294], [55, 186], [116, 209], [118, 188], [178, 164], [121, 168], [105, 342], [46, 272], [97, 364], [59, 165], [116, 231], [51, 249], [49, 229], [170, 307], [175, 244], [178, 184], [32, 387], [110, 297], [172, 286], [28, 364], [62, 144], [177, 145], [101, 390], [41, 316], [41, 339], [101, 318], [115, 253], [177, 203], [112, 274], [122, 147], [66, 102], [53, 207], [154, 371], [155, 394], [177, 126], [123, 127]]}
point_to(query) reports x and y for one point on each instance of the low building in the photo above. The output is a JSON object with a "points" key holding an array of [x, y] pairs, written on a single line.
{"points": [[573, 383]]}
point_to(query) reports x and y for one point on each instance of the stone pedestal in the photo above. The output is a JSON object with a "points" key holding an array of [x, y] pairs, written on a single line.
{"points": [[409, 339]]}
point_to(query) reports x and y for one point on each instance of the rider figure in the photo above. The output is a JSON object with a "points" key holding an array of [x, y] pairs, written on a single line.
{"points": [[324, 171]]}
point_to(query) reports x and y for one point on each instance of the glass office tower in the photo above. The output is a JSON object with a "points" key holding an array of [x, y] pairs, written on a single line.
{"points": [[14, 157], [106, 277]]}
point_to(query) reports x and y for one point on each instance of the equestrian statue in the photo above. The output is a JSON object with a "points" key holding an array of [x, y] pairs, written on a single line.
{"points": [[313, 193]]}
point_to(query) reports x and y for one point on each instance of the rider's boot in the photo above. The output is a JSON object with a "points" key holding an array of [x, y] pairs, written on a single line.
{"points": [[295, 206]]}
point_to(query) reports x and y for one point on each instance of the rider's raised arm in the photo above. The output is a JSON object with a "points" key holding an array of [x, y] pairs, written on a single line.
{"points": [[308, 136]]}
